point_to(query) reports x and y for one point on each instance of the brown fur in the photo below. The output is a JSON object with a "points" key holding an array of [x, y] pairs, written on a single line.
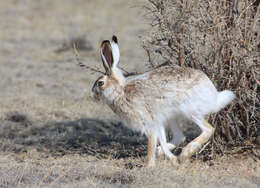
{"points": [[150, 151]]}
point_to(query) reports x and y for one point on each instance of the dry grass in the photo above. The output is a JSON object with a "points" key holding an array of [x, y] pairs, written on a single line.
{"points": [[222, 39], [36, 170], [51, 133]]}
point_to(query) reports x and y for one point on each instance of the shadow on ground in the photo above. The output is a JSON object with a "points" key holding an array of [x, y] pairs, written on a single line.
{"points": [[83, 136]]}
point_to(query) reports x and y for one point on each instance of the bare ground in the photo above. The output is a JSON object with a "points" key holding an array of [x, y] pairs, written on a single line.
{"points": [[52, 134]]}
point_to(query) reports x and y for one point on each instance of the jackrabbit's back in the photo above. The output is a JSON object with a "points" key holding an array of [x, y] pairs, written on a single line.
{"points": [[172, 88]]}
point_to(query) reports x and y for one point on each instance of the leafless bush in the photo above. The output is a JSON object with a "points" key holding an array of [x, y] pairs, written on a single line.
{"points": [[222, 39]]}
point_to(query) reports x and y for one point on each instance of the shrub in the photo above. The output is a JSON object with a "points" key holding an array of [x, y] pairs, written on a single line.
{"points": [[222, 39]]}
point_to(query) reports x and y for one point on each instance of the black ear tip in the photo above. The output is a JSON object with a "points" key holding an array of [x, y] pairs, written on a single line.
{"points": [[114, 38]]}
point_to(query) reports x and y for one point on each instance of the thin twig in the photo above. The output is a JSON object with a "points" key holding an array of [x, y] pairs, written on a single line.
{"points": [[59, 177], [253, 73], [149, 57], [21, 177], [245, 25], [253, 26], [82, 64], [244, 11], [203, 148], [124, 70], [46, 176]]}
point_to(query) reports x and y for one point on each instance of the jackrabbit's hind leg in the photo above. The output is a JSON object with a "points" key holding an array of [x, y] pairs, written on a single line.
{"points": [[196, 144]]}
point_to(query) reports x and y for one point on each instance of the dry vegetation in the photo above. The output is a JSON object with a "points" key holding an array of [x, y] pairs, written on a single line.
{"points": [[53, 135], [222, 39]]}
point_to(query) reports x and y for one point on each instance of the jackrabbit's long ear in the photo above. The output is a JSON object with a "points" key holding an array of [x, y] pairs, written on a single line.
{"points": [[115, 51], [106, 55]]}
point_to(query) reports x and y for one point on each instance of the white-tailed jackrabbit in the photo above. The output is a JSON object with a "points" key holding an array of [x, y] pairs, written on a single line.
{"points": [[145, 102]]}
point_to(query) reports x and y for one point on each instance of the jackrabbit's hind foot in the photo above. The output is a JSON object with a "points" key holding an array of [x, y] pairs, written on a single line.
{"points": [[197, 143], [160, 150]]}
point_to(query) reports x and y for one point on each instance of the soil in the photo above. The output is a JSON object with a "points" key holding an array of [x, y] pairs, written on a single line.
{"points": [[52, 134]]}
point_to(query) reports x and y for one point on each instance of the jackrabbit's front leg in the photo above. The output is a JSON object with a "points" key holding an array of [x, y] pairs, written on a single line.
{"points": [[152, 143], [165, 146], [177, 139]]}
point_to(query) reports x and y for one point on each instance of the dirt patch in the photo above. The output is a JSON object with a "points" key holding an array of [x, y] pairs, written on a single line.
{"points": [[52, 134]]}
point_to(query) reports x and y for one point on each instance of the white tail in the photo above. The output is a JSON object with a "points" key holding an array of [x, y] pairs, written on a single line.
{"points": [[223, 99]]}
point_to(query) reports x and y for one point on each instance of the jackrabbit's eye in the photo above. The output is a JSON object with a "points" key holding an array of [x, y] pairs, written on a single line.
{"points": [[100, 83]]}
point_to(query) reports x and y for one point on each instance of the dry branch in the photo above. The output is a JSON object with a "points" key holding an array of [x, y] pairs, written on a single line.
{"points": [[76, 53], [221, 38]]}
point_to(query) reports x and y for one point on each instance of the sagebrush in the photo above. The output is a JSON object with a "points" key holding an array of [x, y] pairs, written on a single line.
{"points": [[222, 39]]}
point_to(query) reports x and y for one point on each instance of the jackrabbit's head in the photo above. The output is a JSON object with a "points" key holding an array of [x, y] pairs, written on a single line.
{"points": [[108, 86]]}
